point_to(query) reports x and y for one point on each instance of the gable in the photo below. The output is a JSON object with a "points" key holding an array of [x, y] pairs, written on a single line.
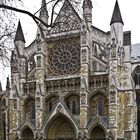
{"points": [[67, 19]]}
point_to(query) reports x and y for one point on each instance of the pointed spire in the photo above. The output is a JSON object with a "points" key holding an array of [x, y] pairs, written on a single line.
{"points": [[0, 87], [116, 17], [43, 10], [8, 83], [19, 34]]}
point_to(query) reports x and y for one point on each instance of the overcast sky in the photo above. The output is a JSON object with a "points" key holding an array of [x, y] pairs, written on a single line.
{"points": [[102, 13]]}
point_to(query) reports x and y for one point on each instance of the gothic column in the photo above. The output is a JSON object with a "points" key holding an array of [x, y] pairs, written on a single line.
{"points": [[113, 106], [40, 77], [84, 72]]}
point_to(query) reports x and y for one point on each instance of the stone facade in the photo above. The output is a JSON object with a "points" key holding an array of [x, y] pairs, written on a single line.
{"points": [[74, 81]]}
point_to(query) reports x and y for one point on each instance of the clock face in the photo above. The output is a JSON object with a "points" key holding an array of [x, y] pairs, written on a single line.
{"points": [[64, 58]]}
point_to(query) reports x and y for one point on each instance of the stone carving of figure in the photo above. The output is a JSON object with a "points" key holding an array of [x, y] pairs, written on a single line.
{"points": [[113, 48]]}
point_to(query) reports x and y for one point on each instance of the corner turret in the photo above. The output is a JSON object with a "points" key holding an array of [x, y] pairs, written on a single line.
{"points": [[19, 34], [117, 25], [116, 16], [19, 39]]}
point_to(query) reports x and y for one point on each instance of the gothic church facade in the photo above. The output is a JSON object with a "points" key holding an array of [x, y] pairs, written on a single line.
{"points": [[74, 81]]}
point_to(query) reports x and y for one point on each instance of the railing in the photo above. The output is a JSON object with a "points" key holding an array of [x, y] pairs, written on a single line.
{"points": [[99, 81]]}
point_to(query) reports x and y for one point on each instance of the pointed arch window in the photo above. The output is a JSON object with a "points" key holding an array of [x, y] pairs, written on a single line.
{"points": [[30, 110], [98, 105], [73, 103], [15, 103], [33, 111], [50, 106], [68, 104], [136, 76], [50, 103], [73, 107]]}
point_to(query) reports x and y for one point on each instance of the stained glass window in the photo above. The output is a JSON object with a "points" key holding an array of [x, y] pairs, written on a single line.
{"points": [[73, 107], [50, 106], [50, 103], [33, 111], [64, 58], [73, 103], [98, 105]]}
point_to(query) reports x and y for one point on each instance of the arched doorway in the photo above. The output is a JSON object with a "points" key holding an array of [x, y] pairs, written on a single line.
{"points": [[27, 134], [97, 133], [60, 129]]}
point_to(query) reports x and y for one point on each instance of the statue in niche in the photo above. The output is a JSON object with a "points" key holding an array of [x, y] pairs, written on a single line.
{"points": [[83, 55], [112, 97], [113, 48], [84, 34], [121, 54], [83, 99]]}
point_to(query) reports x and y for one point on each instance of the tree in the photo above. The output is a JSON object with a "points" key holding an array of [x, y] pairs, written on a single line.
{"points": [[7, 24], [7, 30]]}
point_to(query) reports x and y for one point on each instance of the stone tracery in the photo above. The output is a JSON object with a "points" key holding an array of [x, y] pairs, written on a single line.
{"points": [[64, 58]]}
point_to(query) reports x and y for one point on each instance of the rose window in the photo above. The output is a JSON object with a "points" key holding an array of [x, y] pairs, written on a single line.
{"points": [[64, 58]]}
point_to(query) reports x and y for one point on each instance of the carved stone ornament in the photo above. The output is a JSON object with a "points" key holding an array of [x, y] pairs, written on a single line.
{"points": [[113, 48], [36, 136], [64, 58], [82, 135], [59, 108], [112, 97], [110, 137], [84, 34], [41, 136], [67, 19], [83, 98], [83, 55]]}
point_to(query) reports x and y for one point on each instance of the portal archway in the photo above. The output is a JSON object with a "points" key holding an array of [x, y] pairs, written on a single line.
{"points": [[27, 134], [61, 128], [97, 133]]}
